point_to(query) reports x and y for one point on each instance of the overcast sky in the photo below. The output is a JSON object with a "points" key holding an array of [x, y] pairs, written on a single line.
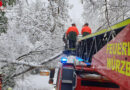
{"points": [[75, 13]]}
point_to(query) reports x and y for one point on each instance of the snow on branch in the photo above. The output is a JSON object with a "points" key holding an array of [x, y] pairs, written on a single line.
{"points": [[39, 66], [32, 64], [52, 58], [34, 52]]}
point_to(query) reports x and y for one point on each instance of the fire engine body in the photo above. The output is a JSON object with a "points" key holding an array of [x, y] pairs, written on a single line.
{"points": [[103, 61], [83, 77]]}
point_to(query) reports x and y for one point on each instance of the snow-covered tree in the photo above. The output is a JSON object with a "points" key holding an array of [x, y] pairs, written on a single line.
{"points": [[100, 13], [34, 33]]}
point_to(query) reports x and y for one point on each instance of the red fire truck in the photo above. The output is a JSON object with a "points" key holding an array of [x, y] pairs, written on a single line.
{"points": [[104, 62]]}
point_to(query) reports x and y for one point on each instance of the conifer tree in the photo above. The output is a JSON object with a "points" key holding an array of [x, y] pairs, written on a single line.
{"points": [[3, 18]]}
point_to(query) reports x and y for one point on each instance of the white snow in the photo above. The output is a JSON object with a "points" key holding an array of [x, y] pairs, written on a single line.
{"points": [[34, 82]]}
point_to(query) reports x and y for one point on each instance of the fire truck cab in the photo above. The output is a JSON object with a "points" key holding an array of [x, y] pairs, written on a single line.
{"points": [[82, 77]]}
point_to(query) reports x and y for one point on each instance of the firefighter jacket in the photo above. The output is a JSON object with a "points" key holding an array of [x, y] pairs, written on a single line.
{"points": [[71, 33], [86, 30]]}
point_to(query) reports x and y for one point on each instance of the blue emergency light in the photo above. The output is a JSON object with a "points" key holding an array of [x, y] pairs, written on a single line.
{"points": [[79, 59], [88, 64], [63, 60]]}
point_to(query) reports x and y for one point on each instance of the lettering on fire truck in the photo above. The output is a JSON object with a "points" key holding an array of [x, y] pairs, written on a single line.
{"points": [[120, 49], [120, 66]]}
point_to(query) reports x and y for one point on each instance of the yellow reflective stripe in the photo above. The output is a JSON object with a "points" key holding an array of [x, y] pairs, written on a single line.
{"points": [[71, 49], [116, 26], [121, 24]]}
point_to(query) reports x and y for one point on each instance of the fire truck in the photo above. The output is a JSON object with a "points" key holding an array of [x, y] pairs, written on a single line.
{"points": [[101, 61]]}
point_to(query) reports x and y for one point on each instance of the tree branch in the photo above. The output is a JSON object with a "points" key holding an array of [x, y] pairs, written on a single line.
{"points": [[34, 52], [31, 65], [111, 19]]}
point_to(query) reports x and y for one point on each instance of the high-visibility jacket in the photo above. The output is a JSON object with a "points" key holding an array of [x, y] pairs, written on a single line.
{"points": [[86, 29], [72, 29]]}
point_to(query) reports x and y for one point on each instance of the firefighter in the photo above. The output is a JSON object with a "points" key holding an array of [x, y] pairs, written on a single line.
{"points": [[72, 34], [86, 30]]}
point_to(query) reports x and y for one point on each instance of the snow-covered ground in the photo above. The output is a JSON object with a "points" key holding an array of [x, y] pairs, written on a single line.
{"points": [[34, 82]]}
